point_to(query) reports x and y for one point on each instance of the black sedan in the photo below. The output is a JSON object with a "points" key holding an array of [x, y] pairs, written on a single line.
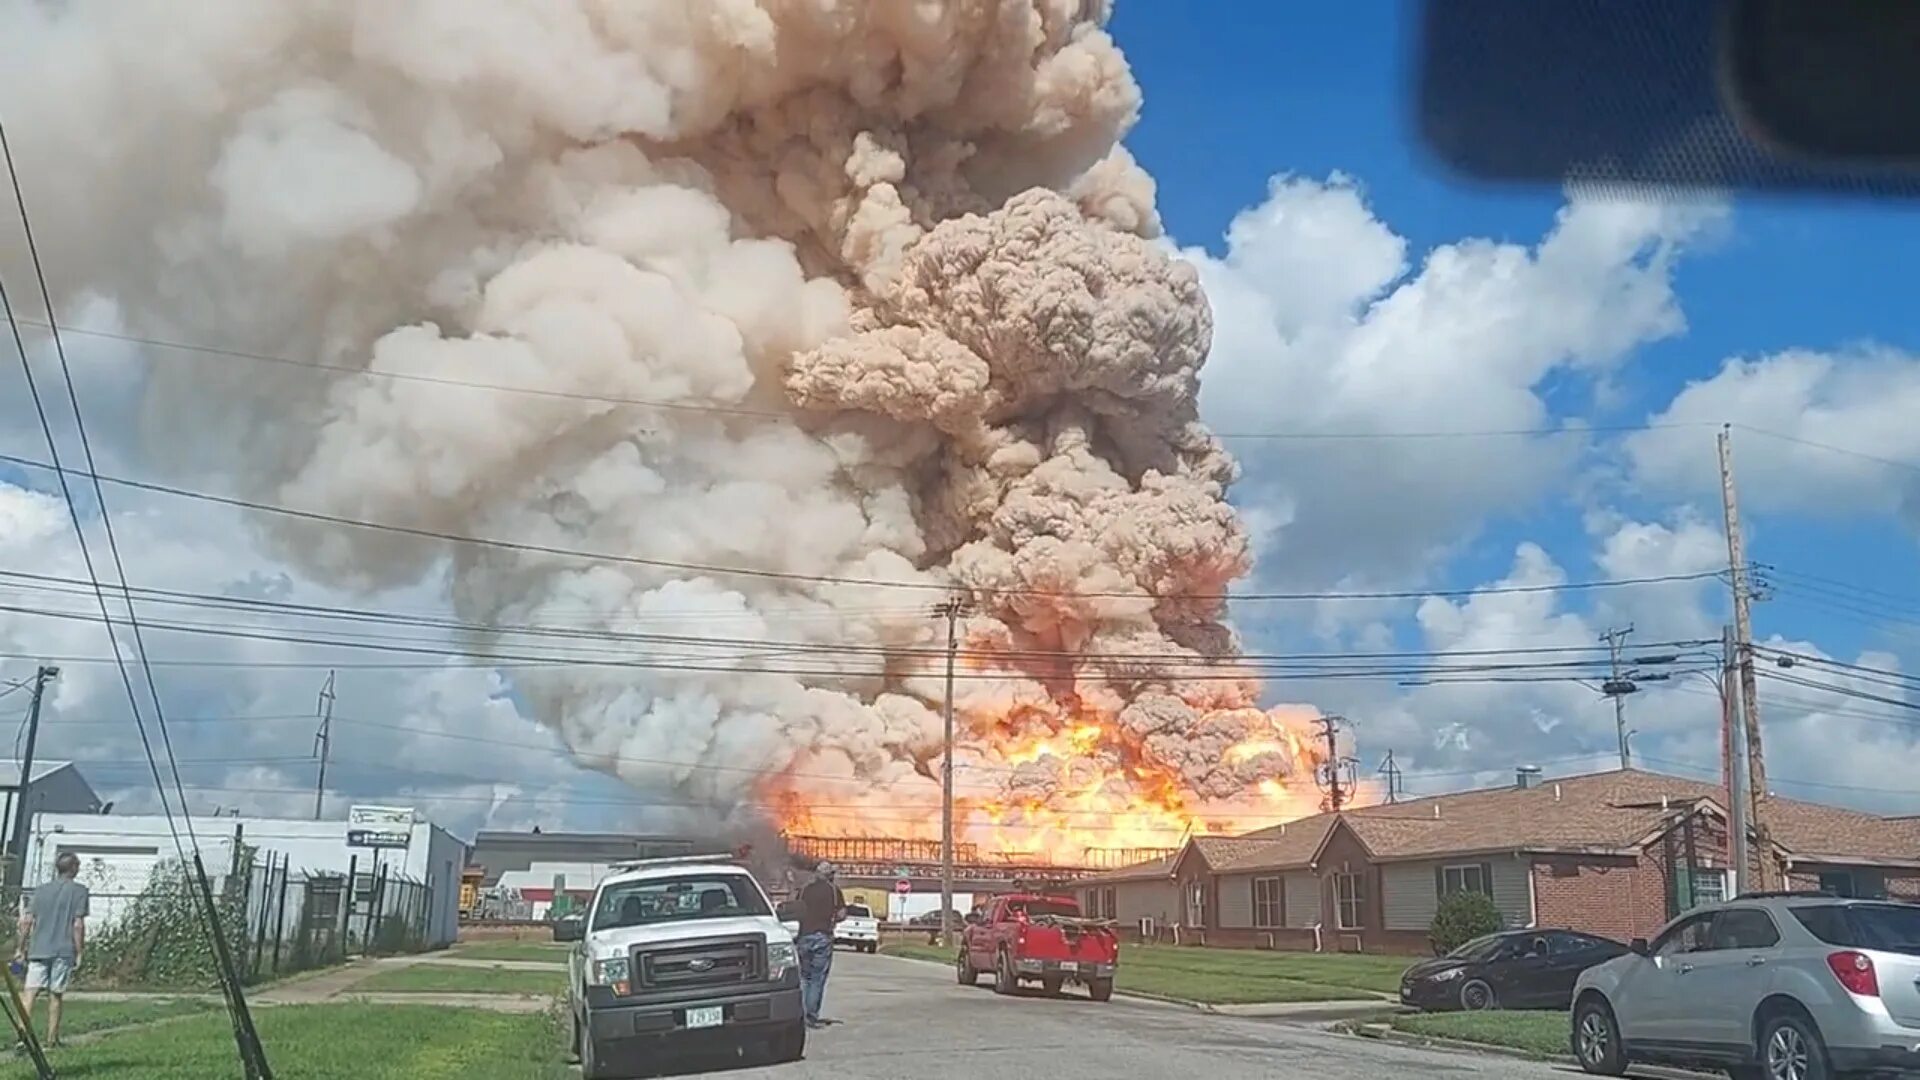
{"points": [[1519, 969]]}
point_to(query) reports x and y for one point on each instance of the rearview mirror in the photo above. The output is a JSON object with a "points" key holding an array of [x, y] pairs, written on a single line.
{"points": [[569, 928], [1638, 946]]}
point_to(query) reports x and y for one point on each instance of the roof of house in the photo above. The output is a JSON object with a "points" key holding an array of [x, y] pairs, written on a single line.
{"points": [[1610, 812], [10, 771]]}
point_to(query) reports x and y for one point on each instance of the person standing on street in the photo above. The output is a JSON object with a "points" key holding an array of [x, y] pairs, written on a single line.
{"points": [[820, 908], [53, 932]]}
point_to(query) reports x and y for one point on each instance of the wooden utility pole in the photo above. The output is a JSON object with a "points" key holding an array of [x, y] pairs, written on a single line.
{"points": [[1733, 763], [1765, 872], [322, 745], [1618, 688], [22, 820], [1330, 772], [951, 610]]}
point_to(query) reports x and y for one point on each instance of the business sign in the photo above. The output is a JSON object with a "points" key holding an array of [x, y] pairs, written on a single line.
{"points": [[380, 817], [377, 838]]}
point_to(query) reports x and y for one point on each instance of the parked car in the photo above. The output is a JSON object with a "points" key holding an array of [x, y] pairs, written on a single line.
{"points": [[1518, 969], [1789, 986], [858, 928], [1026, 937], [682, 952]]}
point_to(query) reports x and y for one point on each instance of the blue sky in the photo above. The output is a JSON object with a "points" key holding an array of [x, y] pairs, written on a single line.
{"points": [[1323, 88]]}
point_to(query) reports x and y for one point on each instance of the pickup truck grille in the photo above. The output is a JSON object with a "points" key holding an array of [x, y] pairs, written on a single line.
{"points": [[722, 962]]}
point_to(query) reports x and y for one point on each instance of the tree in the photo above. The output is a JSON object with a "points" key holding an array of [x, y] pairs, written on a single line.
{"points": [[1463, 915]]}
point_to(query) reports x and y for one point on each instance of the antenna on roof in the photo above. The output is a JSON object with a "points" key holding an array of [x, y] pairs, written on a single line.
{"points": [[1392, 773]]}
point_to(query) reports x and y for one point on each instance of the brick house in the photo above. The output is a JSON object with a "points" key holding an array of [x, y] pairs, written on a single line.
{"points": [[1615, 853]]}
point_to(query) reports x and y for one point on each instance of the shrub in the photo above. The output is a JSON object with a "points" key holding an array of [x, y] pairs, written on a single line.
{"points": [[1462, 917], [160, 941]]}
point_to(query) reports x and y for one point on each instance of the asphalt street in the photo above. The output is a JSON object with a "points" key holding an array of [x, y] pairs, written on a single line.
{"points": [[909, 1020]]}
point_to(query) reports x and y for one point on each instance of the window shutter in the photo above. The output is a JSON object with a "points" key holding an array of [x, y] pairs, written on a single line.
{"points": [[1486, 878], [1439, 882], [1683, 887]]}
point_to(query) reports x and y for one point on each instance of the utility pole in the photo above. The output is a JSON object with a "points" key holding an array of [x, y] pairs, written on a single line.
{"points": [[1733, 766], [1617, 687], [951, 610], [1765, 877], [1330, 772], [323, 744], [1392, 772], [22, 810]]}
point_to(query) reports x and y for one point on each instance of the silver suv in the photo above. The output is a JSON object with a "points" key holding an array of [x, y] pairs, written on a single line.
{"points": [[1787, 986]]}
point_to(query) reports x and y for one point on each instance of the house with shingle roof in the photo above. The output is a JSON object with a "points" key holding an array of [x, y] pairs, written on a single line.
{"points": [[1616, 853]]}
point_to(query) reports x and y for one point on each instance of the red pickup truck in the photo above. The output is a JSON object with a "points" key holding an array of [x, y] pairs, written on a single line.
{"points": [[1028, 937]]}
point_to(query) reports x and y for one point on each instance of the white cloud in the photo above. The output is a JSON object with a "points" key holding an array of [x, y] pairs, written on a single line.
{"points": [[1862, 399], [1322, 325], [1822, 744]]}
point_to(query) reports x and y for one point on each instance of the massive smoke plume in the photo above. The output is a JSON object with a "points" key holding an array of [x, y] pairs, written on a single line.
{"points": [[883, 268]]}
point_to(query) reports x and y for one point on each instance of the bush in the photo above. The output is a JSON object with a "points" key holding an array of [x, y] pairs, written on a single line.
{"points": [[1462, 917], [161, 940]]}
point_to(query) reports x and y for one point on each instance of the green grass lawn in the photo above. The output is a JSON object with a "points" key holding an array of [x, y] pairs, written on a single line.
{"points": [[327, 1042], [454, 979], [81, 1015], [550, 952], [1234, 976], [1542, 1033]]}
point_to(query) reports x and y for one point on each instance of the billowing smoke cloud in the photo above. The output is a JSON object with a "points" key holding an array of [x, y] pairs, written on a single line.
{"points": [[884, 268]]}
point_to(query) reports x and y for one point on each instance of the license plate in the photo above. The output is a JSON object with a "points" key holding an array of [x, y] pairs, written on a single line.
{"points": [[706, 1018], [1069, 965]]}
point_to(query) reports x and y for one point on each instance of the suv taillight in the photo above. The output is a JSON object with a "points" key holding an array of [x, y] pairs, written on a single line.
{"points": [[1855, 972]]}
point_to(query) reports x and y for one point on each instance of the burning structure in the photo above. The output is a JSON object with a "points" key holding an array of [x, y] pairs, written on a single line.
{"points": [[807, 313]]}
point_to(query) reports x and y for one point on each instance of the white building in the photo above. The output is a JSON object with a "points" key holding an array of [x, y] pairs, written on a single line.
{"points": [[119, 853]]}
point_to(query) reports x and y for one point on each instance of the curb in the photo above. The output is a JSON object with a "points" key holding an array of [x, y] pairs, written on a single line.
{"points": [[1385, 1033]]}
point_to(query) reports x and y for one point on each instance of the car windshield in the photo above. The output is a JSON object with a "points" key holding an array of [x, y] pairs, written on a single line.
{"points": [[1036, 908], [1884, 927], [693, 896], [1480, 948]]}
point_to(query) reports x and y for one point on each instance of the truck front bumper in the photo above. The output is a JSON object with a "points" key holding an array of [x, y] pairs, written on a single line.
{"points": [[1066, 969], [611, 1024]]}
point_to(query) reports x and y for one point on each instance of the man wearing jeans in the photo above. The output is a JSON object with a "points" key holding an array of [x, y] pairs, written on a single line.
{"points": [[820, 908], [53, 931]]}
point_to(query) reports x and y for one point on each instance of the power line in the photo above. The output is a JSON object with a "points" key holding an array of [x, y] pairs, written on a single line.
{"points": [[252, 1055], [793, 419], [1814, 444], [830, 579]]}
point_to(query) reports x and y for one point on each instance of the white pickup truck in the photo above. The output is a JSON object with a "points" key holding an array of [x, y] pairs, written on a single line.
{"points": [[680, 953], [858, 928]]}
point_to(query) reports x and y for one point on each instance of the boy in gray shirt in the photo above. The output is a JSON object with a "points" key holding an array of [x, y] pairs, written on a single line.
{"points": [[53, 931]]}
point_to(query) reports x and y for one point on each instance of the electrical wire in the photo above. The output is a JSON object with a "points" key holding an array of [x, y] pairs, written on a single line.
{"points": [[831, 579]]}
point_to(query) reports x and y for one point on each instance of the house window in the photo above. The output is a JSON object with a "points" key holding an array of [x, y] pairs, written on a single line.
{"points": [[1702, 887], [1269, 903], [1197, 904], [1854, 884], [1350, 899], [1469, 877], [1110, 905]]}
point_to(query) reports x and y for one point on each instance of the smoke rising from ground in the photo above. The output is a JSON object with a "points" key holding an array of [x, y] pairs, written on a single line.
{"points": [[885, 264]]}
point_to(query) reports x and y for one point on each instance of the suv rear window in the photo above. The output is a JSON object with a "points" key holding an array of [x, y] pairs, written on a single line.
{"points": [[671, 899], [859, 911], [1885, 927]]}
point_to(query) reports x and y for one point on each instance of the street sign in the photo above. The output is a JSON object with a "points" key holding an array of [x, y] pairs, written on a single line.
{"points": [[903, 886], [377, 838]]}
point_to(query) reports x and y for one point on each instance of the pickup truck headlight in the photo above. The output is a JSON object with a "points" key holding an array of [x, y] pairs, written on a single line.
{"points": [[782, 957], [614, 972]]}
